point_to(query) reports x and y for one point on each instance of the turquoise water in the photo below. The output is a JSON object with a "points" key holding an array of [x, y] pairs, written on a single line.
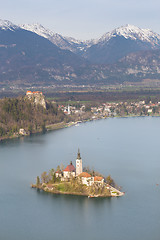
{"points": [[126, 148]]}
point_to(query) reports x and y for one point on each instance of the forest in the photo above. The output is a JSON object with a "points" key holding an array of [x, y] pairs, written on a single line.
{"points": [[17, 113]]}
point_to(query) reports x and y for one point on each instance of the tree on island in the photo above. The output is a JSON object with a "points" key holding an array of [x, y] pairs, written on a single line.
{"points": [[110, 181], [44, 177], [38, 181], [62, 167], [54, 178], [58, 168], [92, 172]]}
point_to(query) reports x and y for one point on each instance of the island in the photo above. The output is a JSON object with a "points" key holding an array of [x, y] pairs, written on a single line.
{"points": [[75, 181]]}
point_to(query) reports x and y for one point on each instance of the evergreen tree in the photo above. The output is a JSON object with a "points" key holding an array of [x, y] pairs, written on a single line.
{"points": [[38, 181]]}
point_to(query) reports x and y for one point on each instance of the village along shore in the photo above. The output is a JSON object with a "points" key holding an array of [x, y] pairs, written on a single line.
{"points": [[70, 115]]}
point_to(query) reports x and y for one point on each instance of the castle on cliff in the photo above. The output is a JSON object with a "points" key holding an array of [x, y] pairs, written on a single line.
{"points": [[37, 97]]}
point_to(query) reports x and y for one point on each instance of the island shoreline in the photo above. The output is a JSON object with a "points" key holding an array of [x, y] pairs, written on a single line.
{"points": [[76, 193]]}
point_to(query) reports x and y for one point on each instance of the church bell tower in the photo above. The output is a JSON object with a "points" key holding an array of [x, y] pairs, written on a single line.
{"points": [[78, 164]]}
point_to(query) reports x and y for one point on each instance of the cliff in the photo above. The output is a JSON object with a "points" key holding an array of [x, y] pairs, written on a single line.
{"points": [[18, 115], [37, 98]]}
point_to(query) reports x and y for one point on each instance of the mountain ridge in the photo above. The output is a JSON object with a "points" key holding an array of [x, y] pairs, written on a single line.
{"points": [[128, 32], [29, 58]]}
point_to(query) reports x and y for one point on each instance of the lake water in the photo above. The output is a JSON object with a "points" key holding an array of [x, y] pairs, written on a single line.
{"points": [[126, 148]]}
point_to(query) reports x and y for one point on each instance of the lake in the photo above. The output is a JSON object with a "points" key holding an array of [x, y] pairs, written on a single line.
{"points": [[126, 148]]}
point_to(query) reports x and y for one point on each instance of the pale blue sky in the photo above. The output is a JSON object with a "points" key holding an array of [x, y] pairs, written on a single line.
{"points": [[83, 19]]}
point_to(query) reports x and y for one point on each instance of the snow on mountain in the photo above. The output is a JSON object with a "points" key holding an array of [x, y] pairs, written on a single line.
{"points": [[38, 29], [67, 43], [77, 46], [134, 33], [7, 25], [74, 45]]}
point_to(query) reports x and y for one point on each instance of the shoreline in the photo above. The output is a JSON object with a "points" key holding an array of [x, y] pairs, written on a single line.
{"points": [[62, 125], [113, 192]]}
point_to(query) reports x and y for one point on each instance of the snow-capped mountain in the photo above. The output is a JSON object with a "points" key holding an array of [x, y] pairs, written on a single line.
{"points": [[40, 30], [7, 25], [111, 47], [122, 41], [133, 33], [67, 43], [28, 57], [31, 54]]}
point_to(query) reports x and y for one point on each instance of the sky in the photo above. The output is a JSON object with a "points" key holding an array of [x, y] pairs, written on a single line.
{"points": [[85, 19]]}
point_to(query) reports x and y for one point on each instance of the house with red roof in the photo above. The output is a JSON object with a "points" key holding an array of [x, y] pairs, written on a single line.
{"points": [[69, 171], [86, 178], [99, 180], [89, 180]]}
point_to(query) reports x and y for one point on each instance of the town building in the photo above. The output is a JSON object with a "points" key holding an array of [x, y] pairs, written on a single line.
{"points": [[69, 110], [22, 131]]}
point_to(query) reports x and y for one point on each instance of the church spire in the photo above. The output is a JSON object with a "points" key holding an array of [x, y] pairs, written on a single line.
{"points": [[78, 164], [78, 154]]}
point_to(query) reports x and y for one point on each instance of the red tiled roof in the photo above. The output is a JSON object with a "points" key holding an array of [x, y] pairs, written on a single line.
{"points": [[98, 178], [69, 168], [59, 171], [84, 174], [34, 92]]}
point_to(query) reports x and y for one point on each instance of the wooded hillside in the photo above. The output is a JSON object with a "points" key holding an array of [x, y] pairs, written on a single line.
{"points": [[16, 113]]}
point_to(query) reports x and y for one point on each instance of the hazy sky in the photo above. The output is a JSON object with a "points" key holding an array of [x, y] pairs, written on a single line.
{"points": [[83, 19]]}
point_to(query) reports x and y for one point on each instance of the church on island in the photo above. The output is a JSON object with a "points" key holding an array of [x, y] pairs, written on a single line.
{"points": [[71, 172]]}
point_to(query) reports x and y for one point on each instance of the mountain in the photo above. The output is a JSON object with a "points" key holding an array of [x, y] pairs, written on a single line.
{"points": [[7, 25], [135, 67], [111, 47], [28, 57], [141, 65], [67, 43], [122, 41], [32, 55], [134, 33]]}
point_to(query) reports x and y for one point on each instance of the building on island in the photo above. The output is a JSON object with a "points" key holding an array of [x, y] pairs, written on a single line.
{"points": [[59, 174], [89, 180], [99, 180], [69, 171], [86, 178], [78, 164]]}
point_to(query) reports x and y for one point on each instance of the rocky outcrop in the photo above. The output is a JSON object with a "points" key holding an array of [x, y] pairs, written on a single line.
{"points": [[37, 97]]}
